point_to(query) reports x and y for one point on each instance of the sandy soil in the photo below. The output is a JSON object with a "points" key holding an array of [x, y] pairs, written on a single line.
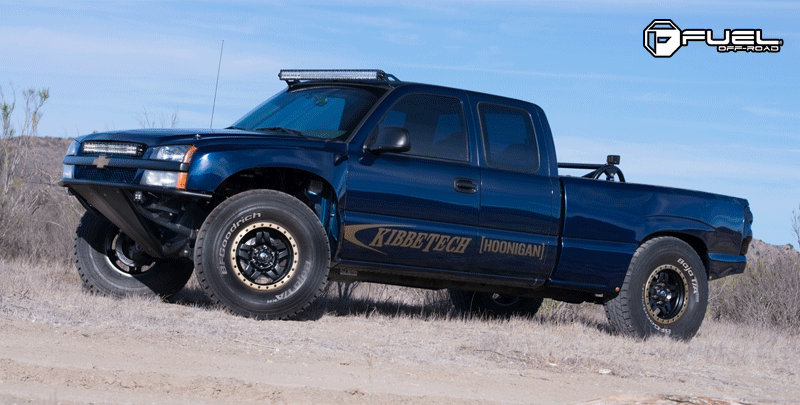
{"points": [[64, 364]]}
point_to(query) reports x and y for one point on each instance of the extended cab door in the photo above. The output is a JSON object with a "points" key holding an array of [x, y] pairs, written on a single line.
{"points": [[520, 198], [418, 207]]}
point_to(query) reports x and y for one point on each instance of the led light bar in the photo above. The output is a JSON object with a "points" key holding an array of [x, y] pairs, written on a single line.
{"points": [[341, 74], [112, 148]]}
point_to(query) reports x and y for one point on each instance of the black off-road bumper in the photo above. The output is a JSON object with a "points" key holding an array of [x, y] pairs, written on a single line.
{"points": [[115, 202]]}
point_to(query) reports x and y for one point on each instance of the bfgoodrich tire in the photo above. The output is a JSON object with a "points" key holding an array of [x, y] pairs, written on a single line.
{"points": [[494, 304], [665, 292], [262, 254], [103, 258]]}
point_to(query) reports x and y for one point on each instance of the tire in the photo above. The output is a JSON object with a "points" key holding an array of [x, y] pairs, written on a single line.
{"points": [[494, 304], [262, 254], [665, 292], [102, 256]]}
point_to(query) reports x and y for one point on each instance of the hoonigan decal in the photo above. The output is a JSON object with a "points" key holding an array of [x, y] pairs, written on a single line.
{"points": [[511, 248], [391, 235]]}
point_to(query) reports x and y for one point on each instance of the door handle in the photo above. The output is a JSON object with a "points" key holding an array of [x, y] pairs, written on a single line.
{"points": [[466, 186]]}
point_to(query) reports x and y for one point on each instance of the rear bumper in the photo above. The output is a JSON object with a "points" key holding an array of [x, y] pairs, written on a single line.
{"points": [[720, 265], [115, 202]]}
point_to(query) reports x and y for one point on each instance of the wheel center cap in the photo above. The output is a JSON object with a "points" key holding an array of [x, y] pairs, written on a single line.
{"points": [[263, 257]]}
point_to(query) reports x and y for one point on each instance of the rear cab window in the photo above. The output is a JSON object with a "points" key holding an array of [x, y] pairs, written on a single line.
{"points": [[509, 139]]}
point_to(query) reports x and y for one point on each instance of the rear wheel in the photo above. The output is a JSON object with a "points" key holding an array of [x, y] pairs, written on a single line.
{"points": [[110, 263], [494, 303], [262, 254], [665, 292]]}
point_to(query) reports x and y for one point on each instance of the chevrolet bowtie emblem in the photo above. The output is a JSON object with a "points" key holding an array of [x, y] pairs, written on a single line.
{"points": [[101, 161]]}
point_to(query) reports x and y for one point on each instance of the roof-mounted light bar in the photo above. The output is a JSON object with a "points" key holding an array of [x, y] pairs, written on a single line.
{"points": [[296, 75]]}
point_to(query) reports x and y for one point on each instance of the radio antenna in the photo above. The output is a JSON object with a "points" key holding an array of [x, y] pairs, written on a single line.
{"points": [[213, 105]]}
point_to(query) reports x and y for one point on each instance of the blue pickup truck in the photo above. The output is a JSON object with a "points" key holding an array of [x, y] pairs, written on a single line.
{"points": [[353, 175]]}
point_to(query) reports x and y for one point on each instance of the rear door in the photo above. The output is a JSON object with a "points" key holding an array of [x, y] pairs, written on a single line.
{"points": [[416, 208], [520, 200]]}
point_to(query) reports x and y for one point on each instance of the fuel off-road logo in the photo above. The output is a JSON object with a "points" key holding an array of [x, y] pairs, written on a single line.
{"points": [[662, 38]]}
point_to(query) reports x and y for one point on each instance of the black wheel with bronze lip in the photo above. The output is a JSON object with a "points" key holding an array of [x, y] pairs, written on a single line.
{"points": [[262, 254]]}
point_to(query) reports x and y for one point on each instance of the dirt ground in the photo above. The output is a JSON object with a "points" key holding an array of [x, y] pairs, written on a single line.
{"points": [[42, 363], [61, 345]]}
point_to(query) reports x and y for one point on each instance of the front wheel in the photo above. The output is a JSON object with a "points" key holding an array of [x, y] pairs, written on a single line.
{"points": [[109, 263], [494, 303], [665, 292], [262, 254]]}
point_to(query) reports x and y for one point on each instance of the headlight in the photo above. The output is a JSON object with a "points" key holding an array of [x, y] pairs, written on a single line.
{"points": [[160, 178], [174, 153], [73, 148]]}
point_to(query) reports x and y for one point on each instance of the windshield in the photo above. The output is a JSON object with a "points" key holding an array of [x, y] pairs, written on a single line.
{"points": [[320, 112]]}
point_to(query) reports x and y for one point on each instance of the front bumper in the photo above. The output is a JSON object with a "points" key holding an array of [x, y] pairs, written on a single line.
{"points": [[115, 202]]}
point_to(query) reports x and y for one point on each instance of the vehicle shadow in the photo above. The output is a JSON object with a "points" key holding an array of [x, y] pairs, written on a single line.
{"points": [[354, 300]]}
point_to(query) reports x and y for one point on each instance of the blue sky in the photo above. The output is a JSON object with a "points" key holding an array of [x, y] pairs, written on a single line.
{"points": [[724, 123]]}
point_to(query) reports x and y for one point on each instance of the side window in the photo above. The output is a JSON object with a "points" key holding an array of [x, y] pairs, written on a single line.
{"points": [[508, 138], [435, 125]]}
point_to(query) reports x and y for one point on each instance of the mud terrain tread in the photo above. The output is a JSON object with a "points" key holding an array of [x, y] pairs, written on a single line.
{"points": [[618, 310]]}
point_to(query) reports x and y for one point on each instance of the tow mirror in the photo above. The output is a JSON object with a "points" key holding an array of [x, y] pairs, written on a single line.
{"points": [[390, 139]]}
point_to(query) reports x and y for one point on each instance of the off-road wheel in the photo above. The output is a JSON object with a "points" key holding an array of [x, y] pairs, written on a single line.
{"points": [[494, 304], [262, 254], [104, 258], [665, 292]]}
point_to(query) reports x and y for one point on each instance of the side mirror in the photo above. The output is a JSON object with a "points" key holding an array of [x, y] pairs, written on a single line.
{"points": [[390, 139]]}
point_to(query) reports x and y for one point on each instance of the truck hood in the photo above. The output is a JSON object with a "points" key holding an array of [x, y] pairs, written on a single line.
{"points": [[158, 137]]}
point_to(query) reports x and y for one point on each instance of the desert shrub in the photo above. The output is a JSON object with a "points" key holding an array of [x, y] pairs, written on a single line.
{"points": [[796, 226], [766, 296], [37, 217]]}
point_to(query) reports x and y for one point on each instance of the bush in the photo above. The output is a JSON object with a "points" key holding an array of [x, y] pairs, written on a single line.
{"points": [[766, 296], [37, 217], [796, 226]]}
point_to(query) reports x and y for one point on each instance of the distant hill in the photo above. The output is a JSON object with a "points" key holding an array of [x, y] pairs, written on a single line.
{"points": [[771, 254]]}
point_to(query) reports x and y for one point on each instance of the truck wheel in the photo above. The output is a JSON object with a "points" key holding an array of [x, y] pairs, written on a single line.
{"points": [[494, 304], [665, 292], [103, 256], [262, 254]]}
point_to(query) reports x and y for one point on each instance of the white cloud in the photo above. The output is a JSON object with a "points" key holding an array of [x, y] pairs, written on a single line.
{"points": [[771, 112]]}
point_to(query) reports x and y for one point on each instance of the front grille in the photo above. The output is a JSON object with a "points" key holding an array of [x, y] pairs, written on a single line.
{"points": [[114, 175], [112, 149]]}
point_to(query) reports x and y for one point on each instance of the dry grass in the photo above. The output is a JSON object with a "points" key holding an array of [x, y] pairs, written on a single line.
{"points": [[415, 327]]}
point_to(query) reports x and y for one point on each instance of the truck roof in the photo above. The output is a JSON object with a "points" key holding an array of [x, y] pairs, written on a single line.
{"points": [[364, 78]]}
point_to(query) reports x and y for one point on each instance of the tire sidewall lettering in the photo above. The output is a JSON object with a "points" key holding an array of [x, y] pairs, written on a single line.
{"points": [[223, 247], [692, 278], [293, 287]]}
